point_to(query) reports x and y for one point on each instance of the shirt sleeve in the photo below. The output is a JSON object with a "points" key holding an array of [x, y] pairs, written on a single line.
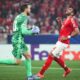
{"points": [[74, 22], [25, 31]]}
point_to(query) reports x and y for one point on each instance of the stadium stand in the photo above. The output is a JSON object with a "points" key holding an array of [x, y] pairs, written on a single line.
{"points": [[44, 13]]}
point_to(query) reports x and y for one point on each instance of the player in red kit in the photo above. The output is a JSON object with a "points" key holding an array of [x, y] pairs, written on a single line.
{"points": [[69, 28]]}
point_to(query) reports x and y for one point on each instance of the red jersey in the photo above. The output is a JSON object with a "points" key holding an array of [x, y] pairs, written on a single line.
{"points": [[68, 26]]}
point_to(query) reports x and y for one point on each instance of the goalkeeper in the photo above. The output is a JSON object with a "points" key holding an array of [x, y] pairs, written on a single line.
{"points": [[19, 47]]}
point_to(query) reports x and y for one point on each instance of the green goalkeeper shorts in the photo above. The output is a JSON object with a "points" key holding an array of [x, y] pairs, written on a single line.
{"points": [[19, 49]]}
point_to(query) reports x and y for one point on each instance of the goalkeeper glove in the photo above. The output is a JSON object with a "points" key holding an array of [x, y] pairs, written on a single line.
{"points": [[35, 30]]}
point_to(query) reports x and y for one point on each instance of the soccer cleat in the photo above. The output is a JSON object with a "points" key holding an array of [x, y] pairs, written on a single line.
{"points": [[30, 78], [35, 77], [40, 75], [66, 72]]}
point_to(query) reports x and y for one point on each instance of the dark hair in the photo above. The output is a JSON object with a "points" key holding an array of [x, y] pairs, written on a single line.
{"points": [[74, 11], [24, 6]]}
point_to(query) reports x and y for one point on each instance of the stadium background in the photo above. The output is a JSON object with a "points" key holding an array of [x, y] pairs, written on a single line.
{"points": [[44, 14]]}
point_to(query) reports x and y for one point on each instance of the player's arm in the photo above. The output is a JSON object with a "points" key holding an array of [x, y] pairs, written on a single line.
{"points": [[34, 30], [59, 20], [75, 26], [75, 32], [25, 31]]}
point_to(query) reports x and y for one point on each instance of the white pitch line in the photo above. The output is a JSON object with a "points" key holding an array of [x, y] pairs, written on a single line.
{"points": [[37, 67], [56, 68]]}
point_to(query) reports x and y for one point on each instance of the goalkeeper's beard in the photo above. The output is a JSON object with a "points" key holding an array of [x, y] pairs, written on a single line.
{"points": [[28, 14]]}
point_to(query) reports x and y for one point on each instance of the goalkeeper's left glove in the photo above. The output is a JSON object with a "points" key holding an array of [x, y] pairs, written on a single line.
{"points": [[35, 30]]}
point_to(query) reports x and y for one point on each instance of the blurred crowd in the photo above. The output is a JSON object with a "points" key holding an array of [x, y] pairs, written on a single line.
{"points": [[44, 13]]}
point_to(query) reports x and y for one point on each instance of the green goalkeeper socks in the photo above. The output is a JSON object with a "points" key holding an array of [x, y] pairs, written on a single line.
{"points": [[8, 61], [27, 64], [28, 67]]}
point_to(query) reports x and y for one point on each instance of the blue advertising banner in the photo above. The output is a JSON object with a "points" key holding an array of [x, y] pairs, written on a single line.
{"points": [[45, 39]]}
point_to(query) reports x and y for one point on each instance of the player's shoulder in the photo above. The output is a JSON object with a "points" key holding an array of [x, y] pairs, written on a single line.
{"points": [[20, 16], [74, 18], [74, 21]]}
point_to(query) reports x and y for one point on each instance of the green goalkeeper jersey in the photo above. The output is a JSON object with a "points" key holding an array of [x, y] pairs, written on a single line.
{"points": [[20, 27], [20, 24], [19, 30]]}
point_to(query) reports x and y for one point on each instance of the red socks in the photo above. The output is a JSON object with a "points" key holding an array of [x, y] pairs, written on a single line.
{"points": [[60, 61], [46, 65], [48, 62]]}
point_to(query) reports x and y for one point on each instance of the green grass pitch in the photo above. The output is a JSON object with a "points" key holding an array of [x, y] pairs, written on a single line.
{"points": [[17, 72]]}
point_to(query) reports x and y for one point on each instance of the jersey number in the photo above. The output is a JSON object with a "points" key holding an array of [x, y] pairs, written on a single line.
{"points": [[15, 26]]}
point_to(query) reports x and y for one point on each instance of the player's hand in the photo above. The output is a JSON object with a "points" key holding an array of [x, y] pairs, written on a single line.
{"points": [[35, 30], [59, 19]]}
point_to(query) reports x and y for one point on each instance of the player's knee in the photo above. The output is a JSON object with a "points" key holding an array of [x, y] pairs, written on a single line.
{"points": [[18, 62], [54, 54], [57, 55], [27, 56]]}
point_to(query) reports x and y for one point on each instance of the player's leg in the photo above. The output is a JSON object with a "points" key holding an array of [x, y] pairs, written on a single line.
{"points": [[7, 61], [46, 65], [12, 61], [55, 55], [27, 62], [17, 53], [61, 62]]}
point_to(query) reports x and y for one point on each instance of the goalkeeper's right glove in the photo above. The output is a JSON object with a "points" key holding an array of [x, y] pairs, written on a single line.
{"points": [[35, 30]]}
